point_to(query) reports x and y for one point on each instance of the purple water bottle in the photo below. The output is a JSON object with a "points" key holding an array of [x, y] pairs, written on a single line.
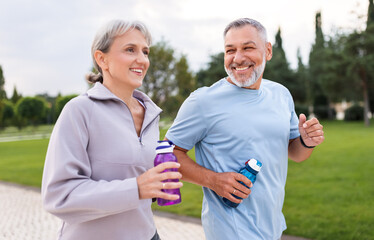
{"points": [[165, 153], [250, 170]]}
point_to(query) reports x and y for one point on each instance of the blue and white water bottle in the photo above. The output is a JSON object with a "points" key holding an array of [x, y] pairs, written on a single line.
{"points": [[250, 170]]}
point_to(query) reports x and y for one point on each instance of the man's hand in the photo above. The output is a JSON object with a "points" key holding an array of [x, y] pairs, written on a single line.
{"points": [[311, 131], [225, 184]]}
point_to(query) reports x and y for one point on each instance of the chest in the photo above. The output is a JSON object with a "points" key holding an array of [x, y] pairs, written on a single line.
{"points": [[255, 120]]}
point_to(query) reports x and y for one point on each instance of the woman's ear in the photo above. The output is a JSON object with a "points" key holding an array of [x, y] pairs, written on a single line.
{"points": [[101, 60]]}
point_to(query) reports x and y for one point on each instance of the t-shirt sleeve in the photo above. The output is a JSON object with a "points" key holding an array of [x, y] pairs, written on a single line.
{"points": [[189, 126], [294, 122]]}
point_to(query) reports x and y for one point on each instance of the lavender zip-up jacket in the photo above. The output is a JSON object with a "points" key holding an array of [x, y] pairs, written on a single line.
{"points": [[93, 159]]}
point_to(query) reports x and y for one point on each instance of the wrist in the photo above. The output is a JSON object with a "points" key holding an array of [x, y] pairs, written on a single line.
{"points": [[303, 143]]}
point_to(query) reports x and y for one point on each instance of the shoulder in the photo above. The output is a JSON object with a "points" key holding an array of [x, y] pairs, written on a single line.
{"points": [[275, 87], [79, 105], [207, 93]]}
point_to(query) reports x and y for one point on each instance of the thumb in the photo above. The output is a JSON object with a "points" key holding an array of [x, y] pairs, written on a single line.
{"points": [[302, 120]]}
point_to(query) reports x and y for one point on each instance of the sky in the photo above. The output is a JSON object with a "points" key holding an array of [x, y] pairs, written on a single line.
{"points": [[45, 44]]}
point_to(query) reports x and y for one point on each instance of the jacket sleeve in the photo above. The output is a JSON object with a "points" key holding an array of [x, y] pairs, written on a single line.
{"points": [[67, 189]]}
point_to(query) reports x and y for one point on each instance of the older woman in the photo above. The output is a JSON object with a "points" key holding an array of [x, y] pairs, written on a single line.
{"points": [[99, 176]]}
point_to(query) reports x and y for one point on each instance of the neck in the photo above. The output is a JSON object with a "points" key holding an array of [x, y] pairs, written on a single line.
{"points": [[255, 86], [124, 92]]}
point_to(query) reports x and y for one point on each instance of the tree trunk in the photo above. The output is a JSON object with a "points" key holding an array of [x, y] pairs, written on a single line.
{"points": [[366, 97]]}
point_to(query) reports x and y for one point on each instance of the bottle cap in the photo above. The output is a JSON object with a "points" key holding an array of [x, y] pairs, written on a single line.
{"points": [[165, 147], [254, 164]]}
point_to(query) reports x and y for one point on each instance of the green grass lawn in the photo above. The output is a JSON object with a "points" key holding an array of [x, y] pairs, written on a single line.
{"points": [[22, 161], [329, 196]]}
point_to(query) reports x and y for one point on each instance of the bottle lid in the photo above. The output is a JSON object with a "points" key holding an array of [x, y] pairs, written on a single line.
{"points": [[165, 147], [254, 164]]}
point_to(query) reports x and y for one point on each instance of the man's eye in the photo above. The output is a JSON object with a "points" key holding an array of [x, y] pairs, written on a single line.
{"points": [[230, 51]]}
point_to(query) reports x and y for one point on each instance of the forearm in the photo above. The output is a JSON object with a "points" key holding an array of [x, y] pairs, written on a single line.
{"points": [[297, 152], [191, 171]]}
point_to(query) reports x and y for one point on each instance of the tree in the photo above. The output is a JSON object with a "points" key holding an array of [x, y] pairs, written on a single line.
{"points": [[15, 97], [317, 74], [185, 79], [214, 71], [2, 82], [359, 49], [370, 53], [8, 114], [278, 69], [31, 110], [301, 93], [51, 105], [160, 83], [186, 83]]}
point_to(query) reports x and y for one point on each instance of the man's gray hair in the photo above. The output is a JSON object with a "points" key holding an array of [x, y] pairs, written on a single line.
{"points": [[106, 35], [247, 21]]}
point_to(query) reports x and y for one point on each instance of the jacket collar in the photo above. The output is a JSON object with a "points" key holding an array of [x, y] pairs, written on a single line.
{"points": [[100, 92]]}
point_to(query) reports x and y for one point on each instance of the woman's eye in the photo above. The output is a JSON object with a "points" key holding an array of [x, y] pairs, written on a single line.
{"points": [[145, 52], [130, 50]]}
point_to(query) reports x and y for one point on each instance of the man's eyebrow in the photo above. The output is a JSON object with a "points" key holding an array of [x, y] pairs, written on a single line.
{"points": [[243, 44], [249, 42]]}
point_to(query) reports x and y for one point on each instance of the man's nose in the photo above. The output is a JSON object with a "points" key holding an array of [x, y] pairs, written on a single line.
{"points": [[239, 57]]}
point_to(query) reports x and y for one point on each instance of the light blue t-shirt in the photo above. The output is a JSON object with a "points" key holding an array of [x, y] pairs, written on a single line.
{"points": [[229, 125]]}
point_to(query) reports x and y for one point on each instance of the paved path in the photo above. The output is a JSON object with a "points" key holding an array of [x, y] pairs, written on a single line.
{"points": [[23, 218]]}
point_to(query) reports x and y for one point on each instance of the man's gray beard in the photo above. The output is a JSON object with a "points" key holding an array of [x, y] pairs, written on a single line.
{"points": [[252, 79]]}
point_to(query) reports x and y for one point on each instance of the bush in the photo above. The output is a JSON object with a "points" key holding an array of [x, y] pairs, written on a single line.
{"points": [[322, 112], [61, 102], [354, 113], [301, 109], [8, 114], [31, 110]]}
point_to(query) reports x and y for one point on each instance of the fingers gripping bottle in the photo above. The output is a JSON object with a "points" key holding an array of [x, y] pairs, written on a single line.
{"points": [[165, 153], [252, 167]]}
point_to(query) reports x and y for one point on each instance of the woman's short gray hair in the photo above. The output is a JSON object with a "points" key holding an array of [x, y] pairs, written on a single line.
{"points": [[247, 21], [105, 37]]}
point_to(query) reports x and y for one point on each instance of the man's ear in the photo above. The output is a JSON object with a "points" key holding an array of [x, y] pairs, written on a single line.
{"points": [[100, 59], [269, 51]]}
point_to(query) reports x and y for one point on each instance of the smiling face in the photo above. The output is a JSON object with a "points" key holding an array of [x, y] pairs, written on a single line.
{"points": [[246, 53], [126, 62]]}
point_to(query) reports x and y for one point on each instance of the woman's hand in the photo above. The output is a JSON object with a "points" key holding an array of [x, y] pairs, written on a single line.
{"points": [[150, 183]]}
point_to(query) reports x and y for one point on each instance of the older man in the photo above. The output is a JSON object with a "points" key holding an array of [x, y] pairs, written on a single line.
{"points": [[240, 117]]}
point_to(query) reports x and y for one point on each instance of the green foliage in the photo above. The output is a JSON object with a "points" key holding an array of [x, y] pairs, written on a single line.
{"points": [[299, 108], [160, 83], [7, 114], [186, 83], [185, 79], [214, 71], [278, 70], [354, 113], [61, 101], [301, 89], [323, 112], [31, 110], [168, 81], [318, 74], [2, 82], [15, 96]]}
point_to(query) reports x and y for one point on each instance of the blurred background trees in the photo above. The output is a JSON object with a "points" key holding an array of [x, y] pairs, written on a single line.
{"points": [[339, 71]]}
